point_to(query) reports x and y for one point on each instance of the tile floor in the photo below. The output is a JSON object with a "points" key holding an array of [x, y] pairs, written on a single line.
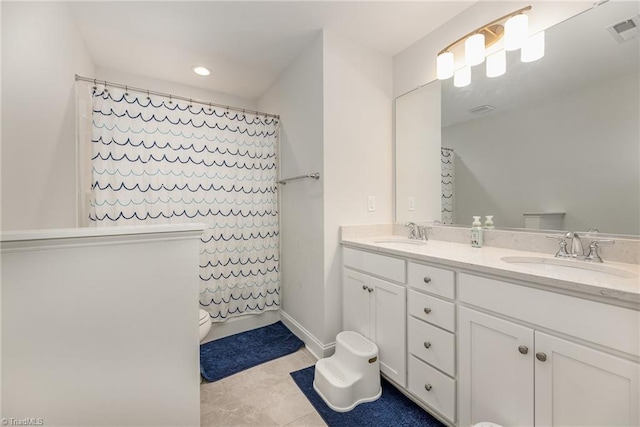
{"points": [[261, 396]]}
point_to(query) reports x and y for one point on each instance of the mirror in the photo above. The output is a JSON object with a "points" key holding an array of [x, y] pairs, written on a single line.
{"points": [[553, 144]]}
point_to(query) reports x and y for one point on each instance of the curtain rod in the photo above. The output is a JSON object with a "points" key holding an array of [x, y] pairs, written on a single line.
{"points": [[168, 95]]}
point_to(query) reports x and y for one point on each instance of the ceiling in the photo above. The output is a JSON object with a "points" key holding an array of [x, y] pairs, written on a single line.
{"points": [[245, 44]]}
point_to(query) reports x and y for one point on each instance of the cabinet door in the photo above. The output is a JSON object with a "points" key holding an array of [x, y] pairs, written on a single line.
{"points": [[356, 312], [495, 361], [579, 386], [388, 327]]}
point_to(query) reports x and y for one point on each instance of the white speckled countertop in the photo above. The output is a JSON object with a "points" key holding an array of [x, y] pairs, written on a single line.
{"points": [[617, 290]]}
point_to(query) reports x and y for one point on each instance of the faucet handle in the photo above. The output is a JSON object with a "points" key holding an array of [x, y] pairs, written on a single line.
{"points": [[594, 254], [412, 229], [422, 232], [562, 250]]}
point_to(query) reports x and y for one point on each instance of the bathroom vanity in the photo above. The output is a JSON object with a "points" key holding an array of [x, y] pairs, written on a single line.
{"points": [[471, 337]]}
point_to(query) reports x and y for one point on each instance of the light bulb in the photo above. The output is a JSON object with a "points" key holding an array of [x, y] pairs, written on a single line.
{"points": [[201, 71], [533, 48], [474, 49], [462, 77], [516, 30], [497, 64], [444, 65]]}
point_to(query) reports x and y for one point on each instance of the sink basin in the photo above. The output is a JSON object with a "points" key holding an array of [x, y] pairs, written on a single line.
{"points": [[402, 241], [551, 265]]}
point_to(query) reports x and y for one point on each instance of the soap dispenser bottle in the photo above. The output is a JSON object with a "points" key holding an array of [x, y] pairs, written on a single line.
{"points": [[476, 232], [489, 222]]}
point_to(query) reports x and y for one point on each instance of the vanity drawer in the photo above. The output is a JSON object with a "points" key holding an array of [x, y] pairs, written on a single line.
{"points": [[433, 345], [442, 389], [379, 265], [600, 323], [432, 310], [434, 280]]}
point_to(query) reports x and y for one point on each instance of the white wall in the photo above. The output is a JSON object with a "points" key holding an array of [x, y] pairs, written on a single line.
{"points": [[297, 96], [41, 51], [357, 153], [418, 143], [105, 330], [335, 108], [416, 65], [584, 160]]}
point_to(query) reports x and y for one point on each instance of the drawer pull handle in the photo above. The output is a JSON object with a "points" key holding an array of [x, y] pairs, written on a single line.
{"points": [[523, 349], [428, 387], [427, 279], [427, 344], [370, 290], [541, 357], [364, 287], [427, 310]]}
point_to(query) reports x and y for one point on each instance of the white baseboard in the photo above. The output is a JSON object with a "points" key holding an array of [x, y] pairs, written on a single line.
{"points": [[313, 344], [235, 325]]}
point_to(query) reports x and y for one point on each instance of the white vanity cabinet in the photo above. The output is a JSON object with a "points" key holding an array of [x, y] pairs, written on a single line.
{"points": [[515, 373], [470, 346], [431, 339], [376, 308]]}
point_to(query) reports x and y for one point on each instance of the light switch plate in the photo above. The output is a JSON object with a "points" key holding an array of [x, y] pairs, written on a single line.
{"points": [[371, 203], [412, 203]]}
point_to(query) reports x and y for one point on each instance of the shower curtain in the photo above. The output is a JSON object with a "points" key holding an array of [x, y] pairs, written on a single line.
{"points": [[447, 175], [158, 161]]}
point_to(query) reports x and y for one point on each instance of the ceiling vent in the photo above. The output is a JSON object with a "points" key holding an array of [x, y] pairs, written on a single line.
{"points": [[483, 109], [625, 30]]}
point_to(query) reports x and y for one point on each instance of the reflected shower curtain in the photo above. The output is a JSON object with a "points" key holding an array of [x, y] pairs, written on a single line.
{"points": [[160, 161], [447, 175]]}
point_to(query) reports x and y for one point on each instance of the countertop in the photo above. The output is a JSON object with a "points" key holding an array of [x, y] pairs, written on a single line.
{"points": [[618, 290]]}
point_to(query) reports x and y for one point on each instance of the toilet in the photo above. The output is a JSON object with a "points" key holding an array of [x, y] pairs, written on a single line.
{"points": [[205, 324]]}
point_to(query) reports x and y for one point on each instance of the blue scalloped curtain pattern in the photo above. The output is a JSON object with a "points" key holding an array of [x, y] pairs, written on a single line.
{"points": [[447, 175], [159, 161]]}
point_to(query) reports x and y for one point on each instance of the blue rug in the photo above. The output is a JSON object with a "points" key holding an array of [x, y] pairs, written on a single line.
{"points": [[227, 356], [393, 409]]}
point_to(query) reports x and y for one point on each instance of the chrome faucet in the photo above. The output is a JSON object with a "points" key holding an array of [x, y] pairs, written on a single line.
{"points": [[413, 230], [577, 250], [417, 232]]}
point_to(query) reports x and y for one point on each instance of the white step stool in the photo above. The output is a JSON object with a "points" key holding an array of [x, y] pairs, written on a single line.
{"points": [[351, 376]]}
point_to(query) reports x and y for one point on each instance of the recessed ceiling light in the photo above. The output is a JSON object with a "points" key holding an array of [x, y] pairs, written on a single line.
{"points": [[201, 71]]}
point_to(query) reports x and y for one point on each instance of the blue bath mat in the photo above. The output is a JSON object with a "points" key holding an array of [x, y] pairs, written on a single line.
{"points": [[227, 356], [393, 409]]}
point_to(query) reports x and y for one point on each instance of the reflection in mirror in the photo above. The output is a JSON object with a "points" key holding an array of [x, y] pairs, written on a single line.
{"points": [[552, 144]]}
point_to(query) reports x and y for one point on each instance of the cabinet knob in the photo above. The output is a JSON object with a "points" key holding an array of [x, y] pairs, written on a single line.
{"points": [[370, 290], [523, 349], [428, 387], [541, 357], [427, 279], [364, 287], [427, 310], [427, 344]]}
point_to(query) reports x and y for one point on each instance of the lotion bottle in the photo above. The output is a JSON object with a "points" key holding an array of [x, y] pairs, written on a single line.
{"points": [[476, 232], [489, 222]]}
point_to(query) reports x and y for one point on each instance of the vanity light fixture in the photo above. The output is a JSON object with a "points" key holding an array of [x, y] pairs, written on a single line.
{"points": [[202, 71], [462, 77], [513, 28]]}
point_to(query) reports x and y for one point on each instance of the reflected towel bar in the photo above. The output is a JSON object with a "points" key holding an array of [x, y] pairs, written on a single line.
{"points": [[295, 178]]}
